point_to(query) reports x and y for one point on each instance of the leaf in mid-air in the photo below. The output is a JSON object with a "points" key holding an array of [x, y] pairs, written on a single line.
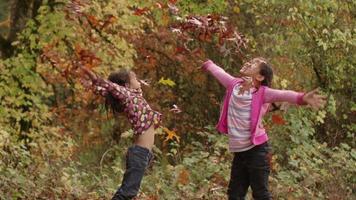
{"points": [[140, 11], [175, 109], [171, 135], [167, 82]]}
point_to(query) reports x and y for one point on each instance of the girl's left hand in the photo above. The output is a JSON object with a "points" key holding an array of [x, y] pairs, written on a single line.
{"points": [[90, 73], [314, 99], [200, 64]]}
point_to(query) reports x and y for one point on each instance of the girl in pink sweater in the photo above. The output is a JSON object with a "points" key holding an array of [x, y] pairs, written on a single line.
{"points": [[244, 105]]}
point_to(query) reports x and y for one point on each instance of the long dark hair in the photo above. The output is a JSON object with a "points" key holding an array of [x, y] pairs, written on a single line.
{"points": [[267, 72], [120, 77]]}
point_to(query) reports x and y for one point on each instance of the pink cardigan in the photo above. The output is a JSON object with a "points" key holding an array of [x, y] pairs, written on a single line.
{"points": [[260, 101]]}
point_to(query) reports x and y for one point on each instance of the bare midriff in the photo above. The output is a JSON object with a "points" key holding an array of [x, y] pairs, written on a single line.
{"points": [[147, 138]]}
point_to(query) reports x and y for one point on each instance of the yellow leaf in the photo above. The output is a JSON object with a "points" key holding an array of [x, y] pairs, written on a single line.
{"points": [[165, 19], [167, 81], [171, 135], [236, 9]]}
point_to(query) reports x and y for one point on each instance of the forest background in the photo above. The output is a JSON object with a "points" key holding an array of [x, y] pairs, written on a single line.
{"points": [[58, 142]]}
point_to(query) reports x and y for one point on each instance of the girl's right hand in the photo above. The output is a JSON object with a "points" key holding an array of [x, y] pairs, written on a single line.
{"points": [[314, 99]]}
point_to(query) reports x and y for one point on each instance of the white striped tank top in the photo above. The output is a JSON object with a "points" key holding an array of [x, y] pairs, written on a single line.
{"points": [[239, 119]]}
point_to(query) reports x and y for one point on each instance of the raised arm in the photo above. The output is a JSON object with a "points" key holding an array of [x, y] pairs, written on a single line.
{"points": [[103, 87], [221, 75], [311, 98]]}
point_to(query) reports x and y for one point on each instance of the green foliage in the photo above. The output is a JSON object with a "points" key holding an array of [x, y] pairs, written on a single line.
{"points": [[202, 7], [55, 142], [4, 6], [180, 181], [307, 168], [32, 152]]}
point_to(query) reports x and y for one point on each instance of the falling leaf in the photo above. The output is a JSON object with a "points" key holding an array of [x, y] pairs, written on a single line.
{"points": [[175, 109], [171, 135], [167, 82], [205, 28], [140, 12]]}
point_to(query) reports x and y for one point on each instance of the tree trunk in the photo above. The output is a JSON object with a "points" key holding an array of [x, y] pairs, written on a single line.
{"points": [[20, 12], [5, 45]]}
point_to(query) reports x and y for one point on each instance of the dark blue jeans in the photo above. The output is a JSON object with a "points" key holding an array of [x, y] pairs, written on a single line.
{"points": [[137, 160], [250, 168]]}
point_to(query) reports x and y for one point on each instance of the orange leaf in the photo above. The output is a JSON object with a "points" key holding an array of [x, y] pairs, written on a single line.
{"points": [[171, 135], [109, 20], [183, 177]]}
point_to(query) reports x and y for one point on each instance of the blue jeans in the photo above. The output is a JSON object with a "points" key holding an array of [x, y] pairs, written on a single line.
{"points": [[137, 160], [250, 168]]}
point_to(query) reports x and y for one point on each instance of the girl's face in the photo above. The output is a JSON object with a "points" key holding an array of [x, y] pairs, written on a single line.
{"points": [[252, 69], [134, 83]]}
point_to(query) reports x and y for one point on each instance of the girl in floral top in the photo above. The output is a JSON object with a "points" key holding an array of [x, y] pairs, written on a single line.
{"points": [[122, 92]]}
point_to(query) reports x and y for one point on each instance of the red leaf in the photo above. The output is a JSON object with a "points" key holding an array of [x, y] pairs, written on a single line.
{"points": [[181, 50], [93, 21], [277, 119], [140, 12]]}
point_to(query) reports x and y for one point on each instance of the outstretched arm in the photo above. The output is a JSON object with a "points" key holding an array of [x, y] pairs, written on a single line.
{"points": [[314, 99], [103, 87], [220, 74], [311, 98]]}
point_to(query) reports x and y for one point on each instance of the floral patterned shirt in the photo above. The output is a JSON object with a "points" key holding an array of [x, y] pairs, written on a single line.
{"points": [[139, 113]]}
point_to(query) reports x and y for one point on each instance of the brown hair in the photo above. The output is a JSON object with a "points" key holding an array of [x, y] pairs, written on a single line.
{"points": [[120, 77], [265, 70]]}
